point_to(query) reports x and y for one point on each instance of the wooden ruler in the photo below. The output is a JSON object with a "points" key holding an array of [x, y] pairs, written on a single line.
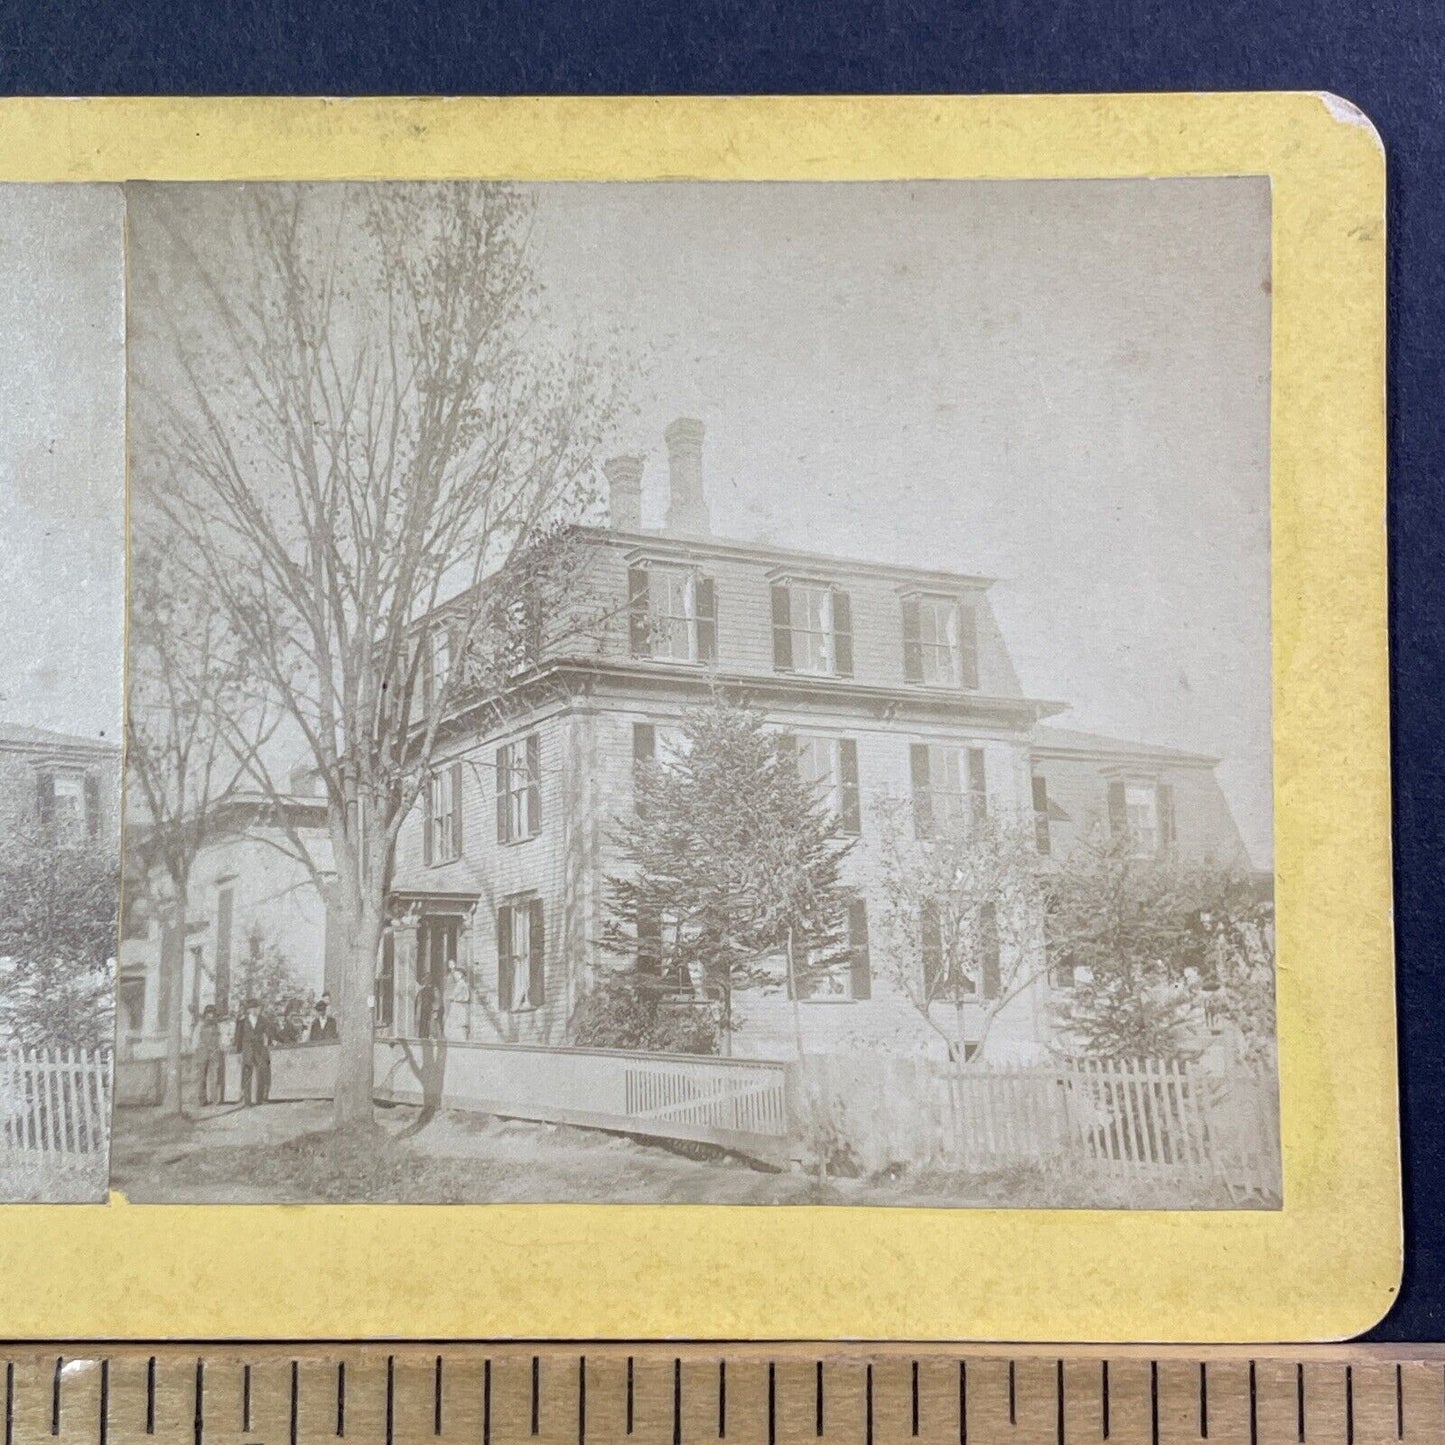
{"points": [[749, 1394]]}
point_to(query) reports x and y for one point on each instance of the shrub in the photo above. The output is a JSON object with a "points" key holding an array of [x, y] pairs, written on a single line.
{"points": [[621, 1011]]}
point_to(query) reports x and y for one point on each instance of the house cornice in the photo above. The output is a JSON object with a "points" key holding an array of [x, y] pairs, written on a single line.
{"points": [[666, 547]]}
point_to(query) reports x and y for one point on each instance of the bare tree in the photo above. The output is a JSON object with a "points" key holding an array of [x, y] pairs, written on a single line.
{"points": [[187, 697], [964, 907], [355, 409]]}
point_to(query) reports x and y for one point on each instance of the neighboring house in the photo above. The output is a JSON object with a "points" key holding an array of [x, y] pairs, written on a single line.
{"points": [[56, 785], [249, 891], [894, 683]]}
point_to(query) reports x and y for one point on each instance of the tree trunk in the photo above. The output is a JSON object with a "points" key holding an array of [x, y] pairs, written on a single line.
{"points": [[173, 971], [355, 1006]]}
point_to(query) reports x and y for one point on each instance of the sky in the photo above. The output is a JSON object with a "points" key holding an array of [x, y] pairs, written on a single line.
{"points": [[1064, 385], [62, 457]]}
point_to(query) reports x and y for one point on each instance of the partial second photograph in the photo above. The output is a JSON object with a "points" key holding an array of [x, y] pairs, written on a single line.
{"points": [[62, 603], [688, 693]]}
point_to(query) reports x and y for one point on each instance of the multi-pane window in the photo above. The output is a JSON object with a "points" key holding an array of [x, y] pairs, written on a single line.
{"points": [[519, 789], [830, 767], [438, 665], [1143, 813], [961, 957], [940, 642], [812, 629], [672, 613], [950, 788], [69, 805], [521, 955], [442, 841], [842, 969]]}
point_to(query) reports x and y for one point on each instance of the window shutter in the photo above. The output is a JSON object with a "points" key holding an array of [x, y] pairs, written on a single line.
{"points": [[532, 638], [644, 743], [92, 806], [1118, 812], [504, 815], [639, 623], [649, 940], [977, 787], [968, 644], [706, 620], [536, 961], [851, 811], [45, 799], [428, 673], [842, 633], [922, 790], [912, 642], [534, 784], [504, 957], [457, 809], [931, 948], [1166, 818], [1041, 814], [988, 951], [782, 628], [860, 973], [429, 821]]}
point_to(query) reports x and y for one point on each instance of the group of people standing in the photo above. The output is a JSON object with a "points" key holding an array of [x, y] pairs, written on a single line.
{"points": [[255, 1033]]}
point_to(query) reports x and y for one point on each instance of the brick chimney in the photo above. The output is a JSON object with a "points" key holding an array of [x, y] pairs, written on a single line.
{"points": [[624, 492], [687, 506]]}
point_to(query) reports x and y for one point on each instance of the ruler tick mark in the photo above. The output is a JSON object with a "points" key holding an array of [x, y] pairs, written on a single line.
{"points": [[1203, 1401], [868, 1404], [1349, 1405], [55, 1395], [436, 1423], [1154, 1401], [1253, 1407], [486, 1402], [581, 1400], [1059, 1398], [295, 1400], [10, 1402], [772, 1403], [1104, 1398], [677, 1402], [1299, 1401], [104, 1401], [818, 1399], [340, 1399], [963, 1402], [722, 1399], [390, 1398], [536, 1394], [151, 1396], [245, 1399], [1399, 1404], [915, 1397], [629, 1394], [200, 1420], [1012, 1396]]}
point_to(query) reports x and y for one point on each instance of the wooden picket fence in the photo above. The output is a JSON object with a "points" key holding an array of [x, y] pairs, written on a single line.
{"points": [[55, 1104], [1157, 1125]]}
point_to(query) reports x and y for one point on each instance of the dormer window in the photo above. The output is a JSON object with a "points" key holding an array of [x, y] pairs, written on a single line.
{"points": [[812, 628], [1141, 814], [672, 613], [940, 641]]}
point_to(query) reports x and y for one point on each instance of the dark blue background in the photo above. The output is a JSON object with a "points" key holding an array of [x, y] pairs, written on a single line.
{"points": [[1387, 58]]}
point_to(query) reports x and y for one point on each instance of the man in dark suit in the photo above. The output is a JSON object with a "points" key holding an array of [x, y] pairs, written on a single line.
{"points": [[253, 1043], [323, 1026]]}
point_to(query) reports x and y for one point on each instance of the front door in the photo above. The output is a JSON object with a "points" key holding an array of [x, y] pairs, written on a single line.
{"points": [[436, 958]]}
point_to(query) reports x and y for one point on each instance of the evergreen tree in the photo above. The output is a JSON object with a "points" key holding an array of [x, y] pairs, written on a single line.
{"points": [[735, 866]]}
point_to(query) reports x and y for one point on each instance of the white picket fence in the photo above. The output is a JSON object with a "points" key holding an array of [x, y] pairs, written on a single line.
{"points": [[55, 1104], [1132, 1121]]}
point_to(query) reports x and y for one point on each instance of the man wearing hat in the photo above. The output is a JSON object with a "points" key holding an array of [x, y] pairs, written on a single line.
{"points": [[323, 1025], [253, 1043], [210, 1059]]}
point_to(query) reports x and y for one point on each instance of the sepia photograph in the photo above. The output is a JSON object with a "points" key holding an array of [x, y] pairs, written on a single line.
{"points": [[62, 508], [689, 692]]}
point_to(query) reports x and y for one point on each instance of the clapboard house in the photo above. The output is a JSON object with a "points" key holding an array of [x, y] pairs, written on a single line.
{"points": [[58, 787], [893, 684]]}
